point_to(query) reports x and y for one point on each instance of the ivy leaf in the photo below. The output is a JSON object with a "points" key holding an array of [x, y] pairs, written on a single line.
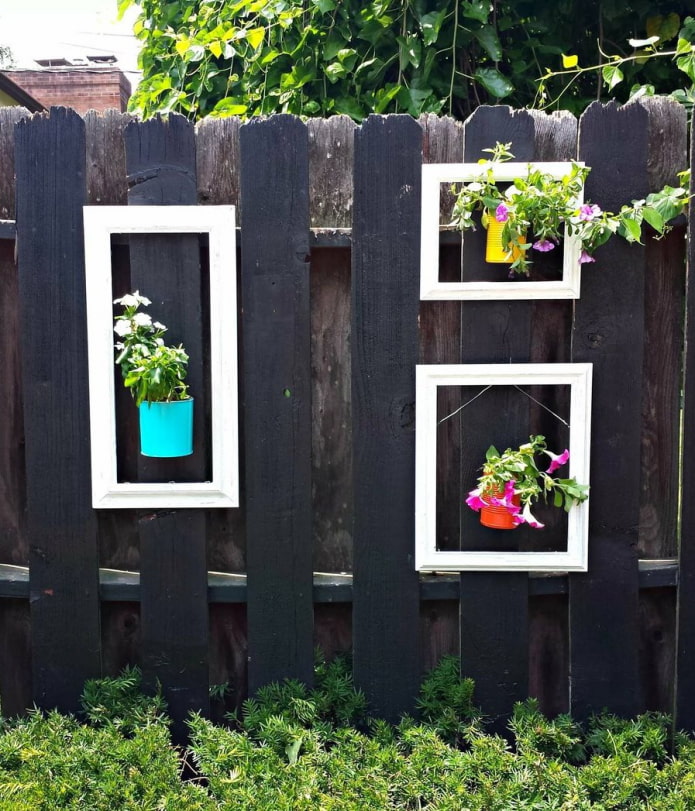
{"points": [[324, 6], [687, 65], [255, 36], [652, 216], [476, 10], [349, 106], [494, 82], [569, 62], [612, 75], [487, 37], [431, 24], [668, 202]]}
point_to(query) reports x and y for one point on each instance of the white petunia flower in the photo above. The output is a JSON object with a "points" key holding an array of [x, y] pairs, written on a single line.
{"points": [[132, 300], [123, 327], [142, 320]]}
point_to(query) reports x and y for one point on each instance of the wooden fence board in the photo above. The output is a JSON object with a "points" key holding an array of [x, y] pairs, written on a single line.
{"points": [[277, 397], [50, 167], [13, 541], [609, 332], [494, 606], [685, 652], [331, 163], [160, 162], [385, 301]]}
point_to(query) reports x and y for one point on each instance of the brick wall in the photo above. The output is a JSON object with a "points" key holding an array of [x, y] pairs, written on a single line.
{"points": [[80, 88]]}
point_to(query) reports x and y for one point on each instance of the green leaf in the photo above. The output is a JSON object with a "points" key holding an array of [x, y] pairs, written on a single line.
{"points": [[633, 230], [227, 107], [687, 65], [612, 75], [255, 36], [494, 82], [652, 216], [431, 24], [324, 6], [476, 10], [487, 37]]}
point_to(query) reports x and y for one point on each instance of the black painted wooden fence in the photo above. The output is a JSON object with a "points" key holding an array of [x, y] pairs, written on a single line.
{"points": [[331, 327]]}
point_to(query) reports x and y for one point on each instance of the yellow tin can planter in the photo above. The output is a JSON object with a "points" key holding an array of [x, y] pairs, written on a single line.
{"points": [[495, 251]]}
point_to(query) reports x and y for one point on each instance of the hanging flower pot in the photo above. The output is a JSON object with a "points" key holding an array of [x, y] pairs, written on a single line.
{"points": [[515, 482], [495, 251], [166, 428], [497, 516]]}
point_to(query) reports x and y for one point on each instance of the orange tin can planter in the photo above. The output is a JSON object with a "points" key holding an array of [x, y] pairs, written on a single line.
{"points": [[497, 517]]}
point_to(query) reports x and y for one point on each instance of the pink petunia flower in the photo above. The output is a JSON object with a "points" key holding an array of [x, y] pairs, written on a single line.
{"points": [[585, 256], [502, 213], [474, 501], [543, 245], [529, 519], [588, 212], [557, 460]]}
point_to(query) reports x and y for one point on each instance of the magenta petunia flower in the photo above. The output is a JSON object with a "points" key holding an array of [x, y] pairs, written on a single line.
{"points": [[585, 256], [543, 245], [588, 212], [474, 501], [502, 213], [529, 519], [557, 460]]}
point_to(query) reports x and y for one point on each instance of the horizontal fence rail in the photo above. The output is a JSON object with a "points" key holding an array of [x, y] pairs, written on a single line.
{"points": [[320, 553]]}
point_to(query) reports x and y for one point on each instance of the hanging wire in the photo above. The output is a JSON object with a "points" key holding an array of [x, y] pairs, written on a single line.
{"points": [[518, 388]]}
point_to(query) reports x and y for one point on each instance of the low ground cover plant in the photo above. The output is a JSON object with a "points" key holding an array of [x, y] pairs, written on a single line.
{"points": [[292, 748]]}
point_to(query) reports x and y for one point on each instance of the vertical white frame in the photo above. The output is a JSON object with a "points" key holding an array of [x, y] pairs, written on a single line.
{"points": [[100, 222], [428, 378], [434, 174]]}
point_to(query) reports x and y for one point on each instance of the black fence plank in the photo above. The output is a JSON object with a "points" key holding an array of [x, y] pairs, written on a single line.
{"points": [[277, 398], [385, 301], [609, 332], [65, 638], [494, 606], [160, 162], [685, 632]]}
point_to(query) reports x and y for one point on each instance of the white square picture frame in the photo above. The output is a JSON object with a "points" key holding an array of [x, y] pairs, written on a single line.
{"points": [[433, 175], [100, 222], [428, 378]]}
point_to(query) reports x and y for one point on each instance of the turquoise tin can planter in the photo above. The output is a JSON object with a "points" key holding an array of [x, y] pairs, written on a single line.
{"points": [[166, 429]]}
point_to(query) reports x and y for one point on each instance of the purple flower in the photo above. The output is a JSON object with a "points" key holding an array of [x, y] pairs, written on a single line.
{"points": [[474, 501], [585, 256], [502, 213], [588, 212], [543, 245], [529, 519], [557, 460]]}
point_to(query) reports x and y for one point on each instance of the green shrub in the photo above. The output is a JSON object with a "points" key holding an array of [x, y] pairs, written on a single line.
{"points": [[300, 749]]}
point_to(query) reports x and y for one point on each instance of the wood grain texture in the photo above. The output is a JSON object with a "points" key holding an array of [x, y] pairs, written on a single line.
{"points": [[549, 653], [331, 158], [385, 301], [684, 708], [160, 162], [493, 606], [331, 439], [609, 332], [664, 294], [657, 656], [331, 164], [13, 541], [50, 168], [277, 397], [15, 654]]}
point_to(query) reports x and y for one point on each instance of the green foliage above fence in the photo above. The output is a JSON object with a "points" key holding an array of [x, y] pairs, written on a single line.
{"points": [[327, 57]]}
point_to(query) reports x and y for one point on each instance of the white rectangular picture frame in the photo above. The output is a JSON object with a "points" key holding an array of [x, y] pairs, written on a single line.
{"points": [[428, 378], [433, 175], [100, 222]]}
